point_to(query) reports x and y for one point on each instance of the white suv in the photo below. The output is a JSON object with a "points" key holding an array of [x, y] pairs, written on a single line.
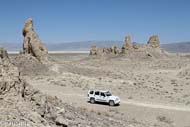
{"points": [[102, 96]]}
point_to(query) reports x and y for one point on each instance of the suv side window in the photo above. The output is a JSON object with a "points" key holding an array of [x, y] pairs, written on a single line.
{"points": [[91, 92], [102, 94], [97, 93]]}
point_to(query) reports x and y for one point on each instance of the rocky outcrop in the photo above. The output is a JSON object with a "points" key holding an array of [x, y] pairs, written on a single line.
{"points": [[154, 42], [95, 51], [8, 73], [115, 50], [4, 55], [134, 45], [133, 50], [33, 59], [32, 44], [21, 103], [127, 44]]}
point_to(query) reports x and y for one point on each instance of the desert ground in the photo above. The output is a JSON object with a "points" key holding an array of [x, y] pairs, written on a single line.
{"points": [[153, 92]]}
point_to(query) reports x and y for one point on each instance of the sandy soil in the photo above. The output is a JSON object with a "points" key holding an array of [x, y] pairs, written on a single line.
{"points": [[153, 92]]}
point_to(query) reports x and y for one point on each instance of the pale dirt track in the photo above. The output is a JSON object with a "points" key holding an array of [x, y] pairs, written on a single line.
{"points": [[128, 108], [135, 103], [60, 94]]}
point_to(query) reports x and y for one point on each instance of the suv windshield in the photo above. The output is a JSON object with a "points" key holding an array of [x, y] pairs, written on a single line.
{"points": [[108, 94]]}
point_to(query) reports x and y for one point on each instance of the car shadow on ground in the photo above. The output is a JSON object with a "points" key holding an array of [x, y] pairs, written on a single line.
{"points": [[103, 103]]}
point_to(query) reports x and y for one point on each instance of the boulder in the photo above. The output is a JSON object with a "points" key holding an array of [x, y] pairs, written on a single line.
{"points": [[61, 122], [32, 44], [154, 42]]}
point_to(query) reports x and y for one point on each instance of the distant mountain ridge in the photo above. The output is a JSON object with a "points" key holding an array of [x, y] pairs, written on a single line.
{"points": [[68, 46], [181, 47], [85, 45], [11, 46]]}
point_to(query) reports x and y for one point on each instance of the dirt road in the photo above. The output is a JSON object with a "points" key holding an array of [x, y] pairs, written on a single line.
{"points": [[141, 111]]}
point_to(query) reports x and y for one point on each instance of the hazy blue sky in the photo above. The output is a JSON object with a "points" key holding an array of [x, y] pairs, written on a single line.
{"points": [[82, 20]]}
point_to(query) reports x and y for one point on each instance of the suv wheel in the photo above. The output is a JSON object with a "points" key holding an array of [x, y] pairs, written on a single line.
{"points": [[92, 100], [111, 103]]}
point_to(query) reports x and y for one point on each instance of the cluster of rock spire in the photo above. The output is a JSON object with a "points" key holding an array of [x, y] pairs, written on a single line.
{"points": [[97, 51], [33, 45], [127, 47]]}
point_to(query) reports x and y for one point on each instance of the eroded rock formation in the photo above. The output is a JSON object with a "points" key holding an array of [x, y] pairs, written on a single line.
{"points": [[127, 44], [3, 54], [115, 50], [133, 50], [20, 102], [154, 42], [134, 45], [32, 44], [95, 51]]}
